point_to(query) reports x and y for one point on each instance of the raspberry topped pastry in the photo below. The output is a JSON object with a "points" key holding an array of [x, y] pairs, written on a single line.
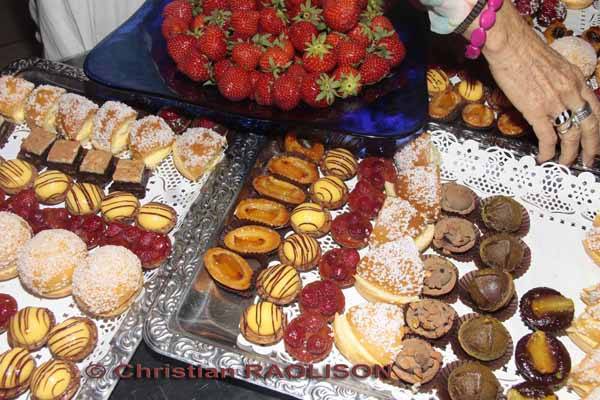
{"points": [[370, 333], [365, 199], [308, 338], [351, 230], [322, 297], [377, 171], [391, 273], [13, 96], [197, 151], [339, 265], [42, 107], [422, 188], [75, 118], [151, 140], [112, 125]]}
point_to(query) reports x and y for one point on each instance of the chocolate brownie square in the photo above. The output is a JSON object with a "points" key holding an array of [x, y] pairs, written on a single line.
{"points": [[36, 146], [97, 167], [65, 156], [131, 176]]}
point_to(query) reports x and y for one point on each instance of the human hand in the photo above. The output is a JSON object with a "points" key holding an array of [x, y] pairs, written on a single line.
{"points": [[542, 84]]}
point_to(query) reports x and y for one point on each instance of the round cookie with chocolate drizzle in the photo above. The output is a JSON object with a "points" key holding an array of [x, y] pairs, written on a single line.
{"points": [[156, 217], [16, 175], [84, 199], [16, 368], [73, 339], [310, 219], [55, 380], [29, 328], [339, 162], [119, 206], [279, 284], [329, 192], [301, 251], [263, 323], [51, 187]]}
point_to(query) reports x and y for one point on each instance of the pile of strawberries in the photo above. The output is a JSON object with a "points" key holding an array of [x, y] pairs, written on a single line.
{"points": [[282, 52]]}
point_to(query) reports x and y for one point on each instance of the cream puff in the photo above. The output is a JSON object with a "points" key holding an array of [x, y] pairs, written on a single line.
{"points": [[370, 333], [75, 118], [55, 380], [197, 151], [421, 187], [29, 328], [46, 263], [420, 152], [119, 206], [14, 92], [108, 282], [156, 217], [329, 192], [51, 187], [112, 124], [397, 219], [391, 273], [16, 232], [310, 219], [73, 339], [42, 107], [263, 323], [16, 175], [84, 199], [151, 140], [16, 369]]}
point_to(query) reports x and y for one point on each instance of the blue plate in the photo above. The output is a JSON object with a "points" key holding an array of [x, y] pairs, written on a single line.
{"points": [[134, 59]]}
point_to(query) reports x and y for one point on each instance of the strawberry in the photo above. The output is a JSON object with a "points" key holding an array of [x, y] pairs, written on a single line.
{"points": [[209, 6], [246, 55], [196, 66], [297, 71], [272, 21], [318, 56], [173, 26], [235, 84], [301, 33], [213, 43], [309, 13], [293, 7], [220, 18], [198, 22], [392, 49], [179, 46], [254, 77], [319, 90], [350, 52], [350, 81], [286, 44], [181, 9], [242, 5], [245, 23], [335, 38], [361, 33], [263, 89], [286, 92], [341, 15], [374, 69], [220, 68], [381, 22], [274, 59]]}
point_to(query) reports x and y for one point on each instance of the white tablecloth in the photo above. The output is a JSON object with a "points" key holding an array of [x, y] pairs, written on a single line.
{"points": [[71, 27]]}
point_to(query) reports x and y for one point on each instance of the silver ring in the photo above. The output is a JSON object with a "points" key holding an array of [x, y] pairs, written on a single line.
{"points": [[583, 113], [564, 128], [563, 118]]}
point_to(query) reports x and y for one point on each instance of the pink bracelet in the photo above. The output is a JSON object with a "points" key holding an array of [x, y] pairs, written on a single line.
{"points": [[487, 19]]}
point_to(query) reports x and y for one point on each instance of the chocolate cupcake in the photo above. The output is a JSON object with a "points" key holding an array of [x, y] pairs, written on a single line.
{"points": [[431, 319], [471, 381], [484, 339], [502, 251], [546, 309], [488, 290], [417, 362], [504, 214], [542, 359], [455, 236], [458, 199]]}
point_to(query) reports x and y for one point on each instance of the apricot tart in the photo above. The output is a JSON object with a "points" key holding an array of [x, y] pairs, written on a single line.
{"points": [[542, 359], [263, 323], [279, 284], [308, 338], [228, 269], [277, 189], [252, 239], [377, 171], [351, 230], [324, 298], [309, 149], [339, 265], [262, 211], [294, 168], [301, 251], [478, 116], [444, 106], [366, 200], [546, 309]]}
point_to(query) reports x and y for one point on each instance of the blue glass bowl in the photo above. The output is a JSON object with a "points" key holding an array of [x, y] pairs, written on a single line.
{"points": [[134, 58]]}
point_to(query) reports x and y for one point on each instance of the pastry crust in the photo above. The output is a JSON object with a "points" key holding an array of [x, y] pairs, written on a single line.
{"points": [[112, 125], [197, 152], [151, 140], [15, 234], [75, 118], [42, 107], [13, 96]]}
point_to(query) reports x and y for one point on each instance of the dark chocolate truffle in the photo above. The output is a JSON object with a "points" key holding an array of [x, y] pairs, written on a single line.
{"points": [[502, 251], [484, 338], [473, 381], [491, 289], [502, 214]]}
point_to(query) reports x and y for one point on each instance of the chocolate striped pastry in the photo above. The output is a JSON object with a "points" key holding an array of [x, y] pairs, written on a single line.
{"points": [[311, 219], [16, 175], [73, 339], [51, 187], [156, 217], [263, 323], [84, 199], [16, 368], [437, 81], [42, 106], [119, 206], [330, 192], [339, 162], [471, 90], [29, 328], [13, 95], [301, 251], [55, 380], [279, 284]]}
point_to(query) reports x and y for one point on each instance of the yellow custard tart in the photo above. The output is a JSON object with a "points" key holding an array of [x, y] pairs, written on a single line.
{"points": [[51, 187], [279, 284], [55, 380], [29, 328], [73, 339], [310, 219], [16, 175], [339, 162], [16, 368], [84, 199], [301, 251], [330, 192], [263, 323], [156, 217], [119, 206]]}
